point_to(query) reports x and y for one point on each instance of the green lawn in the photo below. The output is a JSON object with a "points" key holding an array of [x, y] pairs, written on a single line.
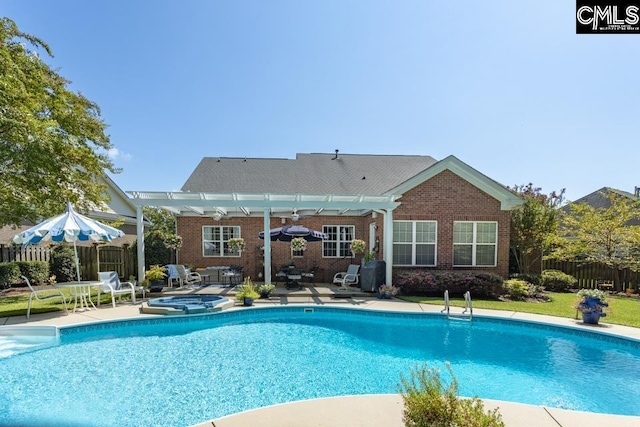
{"points": [[622, 310], [16, 304]]}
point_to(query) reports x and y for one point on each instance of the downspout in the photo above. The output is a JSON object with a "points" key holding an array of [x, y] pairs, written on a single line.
{"points": [[140, 244]]}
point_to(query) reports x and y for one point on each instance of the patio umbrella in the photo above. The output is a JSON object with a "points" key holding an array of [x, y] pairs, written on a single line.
{"points": [[69, 227], [288, 232]]}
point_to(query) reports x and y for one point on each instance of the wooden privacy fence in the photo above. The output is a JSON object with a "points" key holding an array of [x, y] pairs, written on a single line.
{"points": [[589, 275], [92, 258]]}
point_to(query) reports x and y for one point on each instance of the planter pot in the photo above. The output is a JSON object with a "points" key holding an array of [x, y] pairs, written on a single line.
{"points": [[265, 295], [591, 317], [156, 286], [248, 301]]}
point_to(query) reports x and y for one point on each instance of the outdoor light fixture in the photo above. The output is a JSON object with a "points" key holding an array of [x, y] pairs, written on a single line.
{"points": [[295, 216], [217, 216]]}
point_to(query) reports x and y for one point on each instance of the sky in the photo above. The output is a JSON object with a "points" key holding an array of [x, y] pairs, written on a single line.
{"points": [[506, 86]]}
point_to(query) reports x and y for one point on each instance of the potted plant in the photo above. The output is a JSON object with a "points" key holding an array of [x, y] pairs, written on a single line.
{"points": [[386, 291], [247, 292], [154, 278], [358, 246], [298, 244], [369, 256], [592, 303], [265, 290], [236, 244]]}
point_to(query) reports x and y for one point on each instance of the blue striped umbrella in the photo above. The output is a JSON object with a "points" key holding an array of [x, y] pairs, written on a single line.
{"points": [[69, 227]]}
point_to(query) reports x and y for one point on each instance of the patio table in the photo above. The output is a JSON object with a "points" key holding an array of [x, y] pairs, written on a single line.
{"points": [[80, 292]]}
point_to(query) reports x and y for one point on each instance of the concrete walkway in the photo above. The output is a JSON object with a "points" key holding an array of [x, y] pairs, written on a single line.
{"points": [[369, 410]]}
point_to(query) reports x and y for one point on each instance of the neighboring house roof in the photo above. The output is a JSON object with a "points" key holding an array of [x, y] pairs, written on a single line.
{"points": [[599, 200], [118, 208], [326, 184], [314, 173]]}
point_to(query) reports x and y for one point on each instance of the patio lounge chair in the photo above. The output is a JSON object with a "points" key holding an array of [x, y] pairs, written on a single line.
{"points": [[43, 296], [348, 278], [187, 278], [111, 285]]}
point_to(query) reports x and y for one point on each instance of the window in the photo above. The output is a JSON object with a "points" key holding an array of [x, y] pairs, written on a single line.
{"points": [[339, 241], [475, 243], [414, 242], [215, 240]]}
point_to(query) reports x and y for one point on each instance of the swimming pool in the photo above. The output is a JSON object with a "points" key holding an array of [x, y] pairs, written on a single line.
{"points": [[180, 371]]}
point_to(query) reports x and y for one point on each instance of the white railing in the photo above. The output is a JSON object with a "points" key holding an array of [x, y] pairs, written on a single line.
{"points": [[468, 306]]}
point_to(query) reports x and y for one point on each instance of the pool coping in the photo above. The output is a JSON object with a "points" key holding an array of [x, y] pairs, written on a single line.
{"points": [[368, 410]]}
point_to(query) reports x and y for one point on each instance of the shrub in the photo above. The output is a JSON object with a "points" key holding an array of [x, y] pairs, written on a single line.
{"points": [[554, 280], [429, 402], [36, 271], [434, 283], [534, 279], [9, 273], [518, 289], [62, 263]]}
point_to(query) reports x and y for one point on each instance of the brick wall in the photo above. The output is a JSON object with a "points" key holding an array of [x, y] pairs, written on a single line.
{"points": [[444, 198], [447, 198]]}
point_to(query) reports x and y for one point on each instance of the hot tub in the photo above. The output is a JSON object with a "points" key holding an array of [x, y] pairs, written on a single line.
{"points": [[186, 304]]}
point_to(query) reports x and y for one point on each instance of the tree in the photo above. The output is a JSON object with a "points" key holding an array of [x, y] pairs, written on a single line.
{"points": [[607, 235], [52, 140], [160, 240], [533, 224]]}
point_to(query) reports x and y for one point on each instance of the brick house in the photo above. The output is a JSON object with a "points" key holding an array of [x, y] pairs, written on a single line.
{"points": [[412, 211]]}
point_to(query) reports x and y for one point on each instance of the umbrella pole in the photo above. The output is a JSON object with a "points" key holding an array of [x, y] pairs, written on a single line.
{"points": [[75, 249]]}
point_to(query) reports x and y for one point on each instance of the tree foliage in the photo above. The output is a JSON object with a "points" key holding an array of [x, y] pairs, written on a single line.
{"points": [[607, 235], [534, 224], [52, 140]]}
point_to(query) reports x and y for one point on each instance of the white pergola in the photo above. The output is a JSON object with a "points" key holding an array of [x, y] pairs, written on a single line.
{"points": [[267, 205]]}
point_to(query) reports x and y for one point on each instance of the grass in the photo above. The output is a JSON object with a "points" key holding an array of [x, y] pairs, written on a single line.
{"points": [[15, 304], [622, 310]]}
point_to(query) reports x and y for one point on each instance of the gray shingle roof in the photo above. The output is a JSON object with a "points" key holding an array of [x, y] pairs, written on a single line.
{"points": [[313, 173]]}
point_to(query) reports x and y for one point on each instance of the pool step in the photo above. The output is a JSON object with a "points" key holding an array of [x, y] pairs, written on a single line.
{"points": [[17, 339]]}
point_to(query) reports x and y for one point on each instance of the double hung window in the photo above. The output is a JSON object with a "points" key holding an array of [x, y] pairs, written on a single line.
{"points": [[414, 243], [338, 245], [215, 240], [475, 243]]}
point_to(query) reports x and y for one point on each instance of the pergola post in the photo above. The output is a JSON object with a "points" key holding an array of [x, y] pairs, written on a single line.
{"points": [[267, 246], [140, 245], [388, 245]]}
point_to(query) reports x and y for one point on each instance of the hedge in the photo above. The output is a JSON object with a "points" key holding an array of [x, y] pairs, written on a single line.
{"points": [[434, 283], [36, 271]]}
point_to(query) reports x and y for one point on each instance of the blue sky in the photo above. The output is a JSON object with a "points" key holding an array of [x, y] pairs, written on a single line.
{"points": [[505, 86]]}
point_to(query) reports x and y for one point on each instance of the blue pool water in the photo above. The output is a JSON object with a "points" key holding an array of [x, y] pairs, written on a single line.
{"points": [[186, 370]]}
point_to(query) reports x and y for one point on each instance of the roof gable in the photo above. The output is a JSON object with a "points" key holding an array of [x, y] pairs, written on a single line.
{"points": [[507, 199]]}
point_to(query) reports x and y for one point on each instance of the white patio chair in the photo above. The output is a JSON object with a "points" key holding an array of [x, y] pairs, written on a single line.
{"points": [[187, 278], [348, 278], [44, 296], [111, 285]]}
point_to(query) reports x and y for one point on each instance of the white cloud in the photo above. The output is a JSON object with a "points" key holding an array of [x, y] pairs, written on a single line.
{"points": [[114, 154]]}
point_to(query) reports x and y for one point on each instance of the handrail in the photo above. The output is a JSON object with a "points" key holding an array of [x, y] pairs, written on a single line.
{"points": [[468, 304], [446, 302]]}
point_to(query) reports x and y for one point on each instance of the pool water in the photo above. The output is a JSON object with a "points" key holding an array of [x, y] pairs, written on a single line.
{"points": [[186, 370]]}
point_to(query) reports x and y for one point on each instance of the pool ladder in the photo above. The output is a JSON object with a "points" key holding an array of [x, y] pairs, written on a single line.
{"points": [[467, 313]]}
